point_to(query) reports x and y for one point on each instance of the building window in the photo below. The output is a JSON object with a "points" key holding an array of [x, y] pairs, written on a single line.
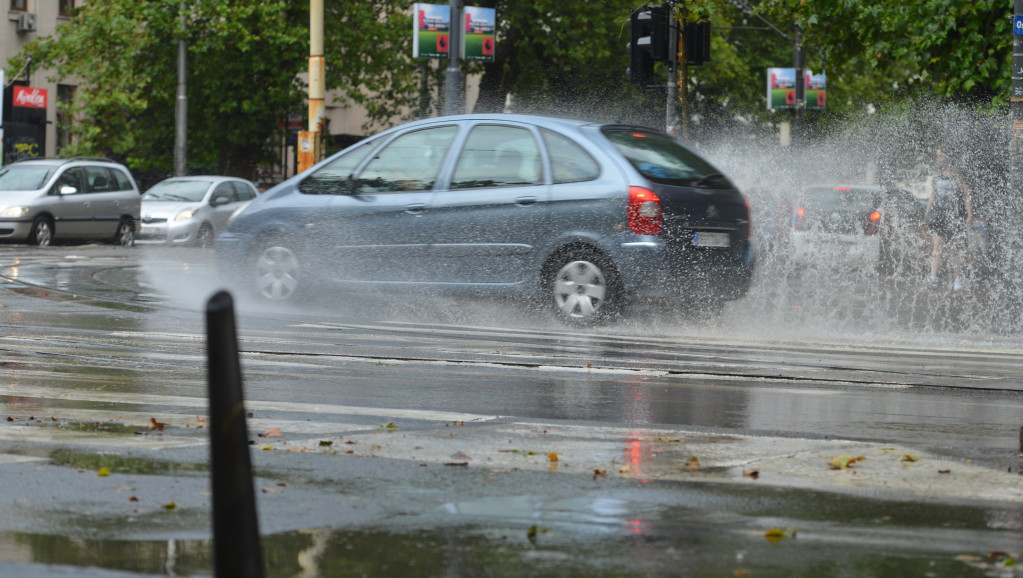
{"points": [[66, 7], [65, 98], [19, 5]]}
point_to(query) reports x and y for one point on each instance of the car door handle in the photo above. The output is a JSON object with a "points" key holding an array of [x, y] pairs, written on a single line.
{"points": [[416, 209], [525, 201]]}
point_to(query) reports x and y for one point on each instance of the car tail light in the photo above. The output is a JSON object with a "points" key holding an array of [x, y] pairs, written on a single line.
{"points": [[749, 220], [874, 224], [798, 222], [645, 216]]}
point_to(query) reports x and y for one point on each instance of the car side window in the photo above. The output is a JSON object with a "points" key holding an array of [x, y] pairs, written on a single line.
{"points": [[498, 156], [100, 180], [69, 178], [408, 163], [123, 182], [569, 162], [224, 190], [244, 191], [330, 179]]}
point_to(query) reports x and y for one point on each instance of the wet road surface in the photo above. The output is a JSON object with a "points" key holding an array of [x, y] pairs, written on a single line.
{"points": [[421, 434]]}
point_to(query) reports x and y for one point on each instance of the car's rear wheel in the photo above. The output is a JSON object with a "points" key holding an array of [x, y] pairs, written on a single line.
{"points": [[42, 232], [583, 288], [125, 235], [277, 271], [204, 238]]}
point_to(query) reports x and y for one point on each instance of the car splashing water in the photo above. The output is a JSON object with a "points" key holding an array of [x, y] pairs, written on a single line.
{"points": [[831, 292]]}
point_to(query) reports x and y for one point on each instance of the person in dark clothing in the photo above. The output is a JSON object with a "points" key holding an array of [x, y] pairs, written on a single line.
{"points": [[948, 216]]}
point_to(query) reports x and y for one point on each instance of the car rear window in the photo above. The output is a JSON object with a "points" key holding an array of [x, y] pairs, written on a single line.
{"points": [[661, 159], [840, 199], [24, 178]]}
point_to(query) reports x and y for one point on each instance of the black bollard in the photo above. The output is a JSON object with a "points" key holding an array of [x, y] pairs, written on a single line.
{"points": [[237, 552]]}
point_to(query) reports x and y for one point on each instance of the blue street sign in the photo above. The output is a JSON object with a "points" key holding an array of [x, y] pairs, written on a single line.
{"points": [[1017, 25]]}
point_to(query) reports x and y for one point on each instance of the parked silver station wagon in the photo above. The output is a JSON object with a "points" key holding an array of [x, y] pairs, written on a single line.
{"points": [[583, 217], [81, 198]]}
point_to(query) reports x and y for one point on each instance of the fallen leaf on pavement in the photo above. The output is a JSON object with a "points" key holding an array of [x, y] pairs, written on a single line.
{"points": [[908, 458], [751, 474], [693, 464], [170, 506], [103, 472], [844, 462], [599, 472], [155, 425], [274, 432], [552, 456]]}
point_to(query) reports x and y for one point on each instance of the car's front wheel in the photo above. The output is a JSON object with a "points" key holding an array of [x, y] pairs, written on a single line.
{"points": [[583, 288], [125, 235], [277, 271], [42, 232], [204, 238]]}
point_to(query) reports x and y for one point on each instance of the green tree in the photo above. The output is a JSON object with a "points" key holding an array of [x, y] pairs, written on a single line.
{"points": [[243, 60]]}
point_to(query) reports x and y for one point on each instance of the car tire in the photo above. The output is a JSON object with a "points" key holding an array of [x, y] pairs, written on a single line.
{"points": [[277, 271], [582, 288], [204, 238], [42, 232], [125, 235]]}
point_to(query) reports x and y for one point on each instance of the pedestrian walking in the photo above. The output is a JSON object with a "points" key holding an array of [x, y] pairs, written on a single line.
{"points": [[948, 216]]}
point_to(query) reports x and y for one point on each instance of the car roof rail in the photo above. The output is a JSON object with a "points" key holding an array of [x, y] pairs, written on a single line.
{"points": [[65, 159]]}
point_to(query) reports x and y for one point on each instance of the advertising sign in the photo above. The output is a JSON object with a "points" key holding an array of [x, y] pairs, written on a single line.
{"points": [[816, 91], [431, 26], [478, 36], [781, 89], [28, 97]]}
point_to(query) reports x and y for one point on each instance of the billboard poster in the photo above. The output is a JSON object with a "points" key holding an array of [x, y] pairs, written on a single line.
{"points": [[781, 89], [478, 35], [816, 91], [431, 26]]}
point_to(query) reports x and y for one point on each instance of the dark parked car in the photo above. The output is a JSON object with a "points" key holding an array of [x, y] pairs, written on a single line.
{"points": [[859, 225], [586, 216]]}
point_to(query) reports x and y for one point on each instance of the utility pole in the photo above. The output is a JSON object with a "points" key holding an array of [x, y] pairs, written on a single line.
{"points": [[797, 63], [673, 62], [310, 142], [453, 73], [181, 106]]}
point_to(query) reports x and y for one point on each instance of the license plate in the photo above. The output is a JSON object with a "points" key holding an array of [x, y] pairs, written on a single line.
{"points": [[710, 239]]}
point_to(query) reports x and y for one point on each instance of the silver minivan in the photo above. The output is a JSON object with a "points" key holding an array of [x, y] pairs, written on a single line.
{"points": [[81, 198]]}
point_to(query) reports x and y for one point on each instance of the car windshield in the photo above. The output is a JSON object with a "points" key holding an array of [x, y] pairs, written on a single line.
{"points": [[840, 199], [663, 160], [23, 178], [192, 191]]}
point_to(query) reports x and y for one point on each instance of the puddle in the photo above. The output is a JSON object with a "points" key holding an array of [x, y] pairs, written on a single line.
{"points": [[511, 551]]}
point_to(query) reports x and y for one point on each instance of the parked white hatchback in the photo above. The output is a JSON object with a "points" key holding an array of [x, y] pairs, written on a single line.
{"points": [[192, 210]]}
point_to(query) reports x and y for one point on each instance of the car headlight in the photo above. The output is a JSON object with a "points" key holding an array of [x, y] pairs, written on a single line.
{"points": [[185, 215], [14, 212]]}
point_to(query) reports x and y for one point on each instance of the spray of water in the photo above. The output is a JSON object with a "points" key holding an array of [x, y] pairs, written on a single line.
{"points": [[831, 296]]}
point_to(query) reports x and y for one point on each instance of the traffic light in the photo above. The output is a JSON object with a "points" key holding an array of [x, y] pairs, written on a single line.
{"points": [[697, 43], [648, 43]]}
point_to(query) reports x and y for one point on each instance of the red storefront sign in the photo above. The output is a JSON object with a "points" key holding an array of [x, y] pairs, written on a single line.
{"points": [[29, 97]]}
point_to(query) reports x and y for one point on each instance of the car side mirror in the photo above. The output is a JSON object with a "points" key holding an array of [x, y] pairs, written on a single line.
{"points": [[68, 190], [217, 201]]}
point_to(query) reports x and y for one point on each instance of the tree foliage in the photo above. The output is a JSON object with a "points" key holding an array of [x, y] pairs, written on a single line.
{"points": [[247, 59], [243, 56]]}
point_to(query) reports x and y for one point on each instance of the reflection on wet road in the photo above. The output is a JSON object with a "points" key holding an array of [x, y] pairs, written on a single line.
{"points": [[100, 335]]}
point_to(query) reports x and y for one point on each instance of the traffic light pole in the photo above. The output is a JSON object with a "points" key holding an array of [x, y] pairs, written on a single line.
{"points": [[673, 62], [453, 73]]}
